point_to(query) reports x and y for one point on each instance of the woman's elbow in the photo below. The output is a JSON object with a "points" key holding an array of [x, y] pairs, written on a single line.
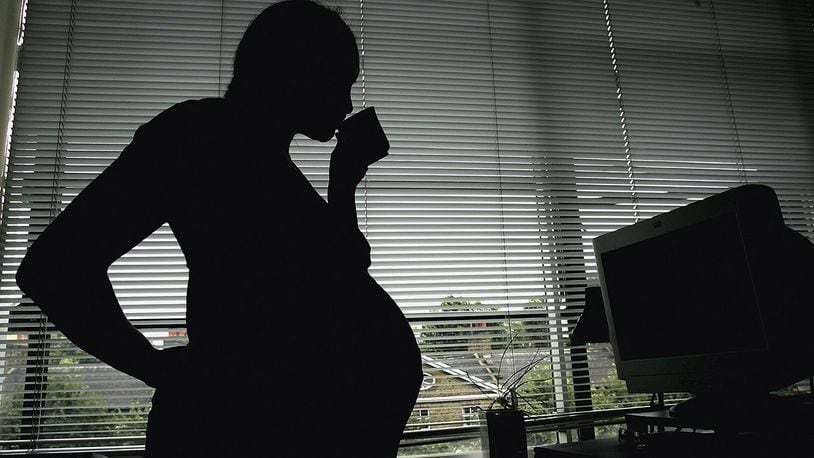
{"points": [[32, 274], [42, 272]]}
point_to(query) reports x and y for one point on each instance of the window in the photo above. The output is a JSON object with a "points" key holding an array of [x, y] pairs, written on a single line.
{"points": [[520, 130], [469, 414], [420, 419]]}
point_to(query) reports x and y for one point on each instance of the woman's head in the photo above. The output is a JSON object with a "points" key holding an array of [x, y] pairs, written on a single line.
{"points": [[302, 58]]}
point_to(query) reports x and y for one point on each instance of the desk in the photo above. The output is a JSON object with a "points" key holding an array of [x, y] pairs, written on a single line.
{"points": [[675, 445], [605, 448], [782, 431]]}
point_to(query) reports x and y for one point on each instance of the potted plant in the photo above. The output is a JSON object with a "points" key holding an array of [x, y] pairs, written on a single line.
{"points": [[503, 428]]}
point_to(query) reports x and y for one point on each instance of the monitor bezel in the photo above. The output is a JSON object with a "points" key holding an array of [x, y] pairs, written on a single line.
{"points": [[698, 372]]}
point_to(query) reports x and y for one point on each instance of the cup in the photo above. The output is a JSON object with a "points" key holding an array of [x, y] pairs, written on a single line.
{"points": [[362, 133]]}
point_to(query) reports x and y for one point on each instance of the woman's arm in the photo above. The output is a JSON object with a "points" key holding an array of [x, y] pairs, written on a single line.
{"points": [[342, 198], [65, 270], [346, 171], [361, 141]]}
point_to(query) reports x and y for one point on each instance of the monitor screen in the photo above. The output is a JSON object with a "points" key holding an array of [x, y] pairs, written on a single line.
{"points": [[710, 295], [686, 292]]}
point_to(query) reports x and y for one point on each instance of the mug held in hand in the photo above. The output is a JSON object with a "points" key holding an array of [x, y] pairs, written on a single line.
{"points": [[363, 134]]}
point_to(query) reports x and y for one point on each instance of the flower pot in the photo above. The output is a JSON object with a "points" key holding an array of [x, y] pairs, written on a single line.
{"points": [[503, 434]]}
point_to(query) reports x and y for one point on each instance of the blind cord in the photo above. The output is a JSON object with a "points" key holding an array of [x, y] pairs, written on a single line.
{"points": [[742, 163], [40, 369], [634, 197], [500, 179], [63, 108], [364, 94], [220, 49]]}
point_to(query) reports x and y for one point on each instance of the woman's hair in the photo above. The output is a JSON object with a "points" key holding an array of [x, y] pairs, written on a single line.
{"points": [[291, 41]]}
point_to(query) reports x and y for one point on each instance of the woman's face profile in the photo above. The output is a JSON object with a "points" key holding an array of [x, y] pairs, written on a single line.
{"points": [[324, 102]]}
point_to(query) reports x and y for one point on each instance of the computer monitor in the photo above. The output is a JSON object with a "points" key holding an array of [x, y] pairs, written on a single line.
{"points": [[712, 297]]}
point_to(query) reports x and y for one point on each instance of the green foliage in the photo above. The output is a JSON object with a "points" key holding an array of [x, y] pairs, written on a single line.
{"points": [[70, 400], [70, 404], [541, 438], [11, 405], [612, 394], [485, 336], [527, 333], [536, 391], [459, 336]]}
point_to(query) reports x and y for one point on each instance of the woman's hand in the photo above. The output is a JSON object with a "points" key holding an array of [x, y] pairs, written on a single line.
{"points": [[170, 367], [346, 171], [361, 141]]}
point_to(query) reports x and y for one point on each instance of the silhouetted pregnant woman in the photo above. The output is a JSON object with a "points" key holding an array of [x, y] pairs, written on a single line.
{"points": [[294, 350]]}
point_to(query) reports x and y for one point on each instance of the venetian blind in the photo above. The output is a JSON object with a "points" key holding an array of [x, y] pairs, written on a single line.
{"points": [[519, 129], [91, 73], [711, 95]]}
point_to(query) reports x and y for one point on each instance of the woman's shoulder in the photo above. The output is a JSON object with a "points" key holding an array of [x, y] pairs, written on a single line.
{"points": [[183, 136], [192, 117]]}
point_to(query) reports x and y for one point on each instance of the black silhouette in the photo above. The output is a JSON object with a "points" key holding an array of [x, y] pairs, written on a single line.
{"points": [[294, 350]]}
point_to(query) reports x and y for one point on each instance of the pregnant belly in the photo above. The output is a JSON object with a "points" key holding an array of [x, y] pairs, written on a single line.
{"points": [[376, 338], [373, 314], [352, 317]]}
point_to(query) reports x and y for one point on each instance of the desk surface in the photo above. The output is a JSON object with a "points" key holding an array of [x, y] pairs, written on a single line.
{"points": [[672, 444], [785, 433], [606, 448]]}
